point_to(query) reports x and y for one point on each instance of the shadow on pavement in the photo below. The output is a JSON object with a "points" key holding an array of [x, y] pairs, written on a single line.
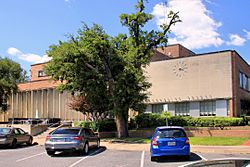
{"points": [[92, 152], [165, 159], [19, 146]]}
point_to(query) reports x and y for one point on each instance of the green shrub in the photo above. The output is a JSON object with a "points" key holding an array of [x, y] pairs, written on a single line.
{"points": [[87, 124], [107, 126], [101, 126], [152, 120]]}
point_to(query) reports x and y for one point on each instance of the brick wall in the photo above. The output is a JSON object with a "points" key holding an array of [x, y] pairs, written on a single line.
{"points": [[34, 72], [239, 65], [38, 84], [199, 132]]}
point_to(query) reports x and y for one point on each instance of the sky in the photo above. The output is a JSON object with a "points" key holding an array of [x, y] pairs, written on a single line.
{"points": [[29, 27]]}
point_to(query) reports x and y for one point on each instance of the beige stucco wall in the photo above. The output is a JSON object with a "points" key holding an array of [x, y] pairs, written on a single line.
{"points": [[201, 77], [43, 103]]}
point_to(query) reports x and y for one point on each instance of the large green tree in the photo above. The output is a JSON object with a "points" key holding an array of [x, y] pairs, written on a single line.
{"points": [[108, 71], [11, 73]]}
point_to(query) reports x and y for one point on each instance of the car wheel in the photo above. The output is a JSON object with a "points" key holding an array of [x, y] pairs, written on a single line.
{"points": [[186, 157], [86, 149], [29, 142], [98, 144], [13, 144], [154, 158], [50, 153]]}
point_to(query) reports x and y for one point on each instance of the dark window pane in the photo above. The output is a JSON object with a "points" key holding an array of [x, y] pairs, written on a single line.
{"points": [[176, 133], [67, 131]]}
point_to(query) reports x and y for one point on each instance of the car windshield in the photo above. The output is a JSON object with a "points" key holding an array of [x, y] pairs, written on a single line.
{"points": [[66, 131], [4, 131], [169, 133]]}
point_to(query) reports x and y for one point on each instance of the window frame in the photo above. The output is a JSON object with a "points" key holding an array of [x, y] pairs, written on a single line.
{"points": [[41, 73], [208, 108]]}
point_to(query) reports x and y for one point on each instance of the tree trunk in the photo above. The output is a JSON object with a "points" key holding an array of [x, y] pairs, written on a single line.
{"points": [[122, 125]]}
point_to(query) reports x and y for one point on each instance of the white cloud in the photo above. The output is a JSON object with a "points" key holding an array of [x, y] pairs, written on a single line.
{"points": [[13, 51], [29, 57], [236, 40], [247, 34], [197, 29]]}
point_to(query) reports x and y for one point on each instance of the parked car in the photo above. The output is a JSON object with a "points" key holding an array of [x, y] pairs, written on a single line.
{"points": [[73, 139], [169, 141], [11, 136], [229, 162]]}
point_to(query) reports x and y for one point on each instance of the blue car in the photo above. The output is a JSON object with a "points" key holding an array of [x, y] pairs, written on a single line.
{"points": [[169, 141]]}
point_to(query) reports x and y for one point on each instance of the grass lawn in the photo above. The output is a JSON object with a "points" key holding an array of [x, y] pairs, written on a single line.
{"points": [[212, 141], [218, 141]]}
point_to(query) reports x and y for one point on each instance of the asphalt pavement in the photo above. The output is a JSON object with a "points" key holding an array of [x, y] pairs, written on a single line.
{"points": [[243, 149], [30, 156]]}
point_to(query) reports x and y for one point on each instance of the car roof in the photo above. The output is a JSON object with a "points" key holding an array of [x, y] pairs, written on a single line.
{"points": [[70, 128], [169, 127]]}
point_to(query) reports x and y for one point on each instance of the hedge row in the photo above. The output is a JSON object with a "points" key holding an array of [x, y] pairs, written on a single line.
{"points": [[150, 120], [102, 126]]}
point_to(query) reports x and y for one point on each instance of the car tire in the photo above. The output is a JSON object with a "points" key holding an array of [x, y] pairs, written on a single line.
{"points": [[50, 153], [86, 149], [154, 158], [186, 157], [13, 144], [98, 144], [29, 142]]}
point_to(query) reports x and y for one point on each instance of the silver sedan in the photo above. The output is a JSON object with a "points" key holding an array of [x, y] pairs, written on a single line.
{"points": [[11, 136], [73, 139]]}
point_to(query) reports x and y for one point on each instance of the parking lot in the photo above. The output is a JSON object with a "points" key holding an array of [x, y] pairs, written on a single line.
{"points": [[36, 156]]}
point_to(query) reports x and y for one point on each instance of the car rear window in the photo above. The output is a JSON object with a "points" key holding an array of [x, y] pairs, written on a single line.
{"points": [[166, 133], [4, 131], [67, 131]]}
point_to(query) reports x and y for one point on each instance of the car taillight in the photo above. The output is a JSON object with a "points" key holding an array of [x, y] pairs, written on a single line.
{"points": [[154, 142], [78, 138], [187, 141], [47, 138]]}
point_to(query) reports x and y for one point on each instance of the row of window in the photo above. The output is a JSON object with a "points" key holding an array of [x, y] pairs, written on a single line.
{"points": [[244, 81], [207, 108]]}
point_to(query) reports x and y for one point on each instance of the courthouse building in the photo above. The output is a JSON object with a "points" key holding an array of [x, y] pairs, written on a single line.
{"points": [[183, 83]]}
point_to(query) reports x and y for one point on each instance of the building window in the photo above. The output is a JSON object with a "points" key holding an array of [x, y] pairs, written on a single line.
{"points": [[41, 73], [182, 109], [228, 108], [245, 82], [208, 108], [157, 108], [248, 84], [241, 79]]}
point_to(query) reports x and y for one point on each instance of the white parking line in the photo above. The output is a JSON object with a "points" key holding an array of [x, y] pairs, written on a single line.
{"points": [[3, 151], [142, 158], [190, 163], [19, 160], [77, 162], [201, 157]]}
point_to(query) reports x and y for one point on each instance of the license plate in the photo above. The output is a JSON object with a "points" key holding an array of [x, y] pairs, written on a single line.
{"points": [[171, 143], [59, 140]]}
